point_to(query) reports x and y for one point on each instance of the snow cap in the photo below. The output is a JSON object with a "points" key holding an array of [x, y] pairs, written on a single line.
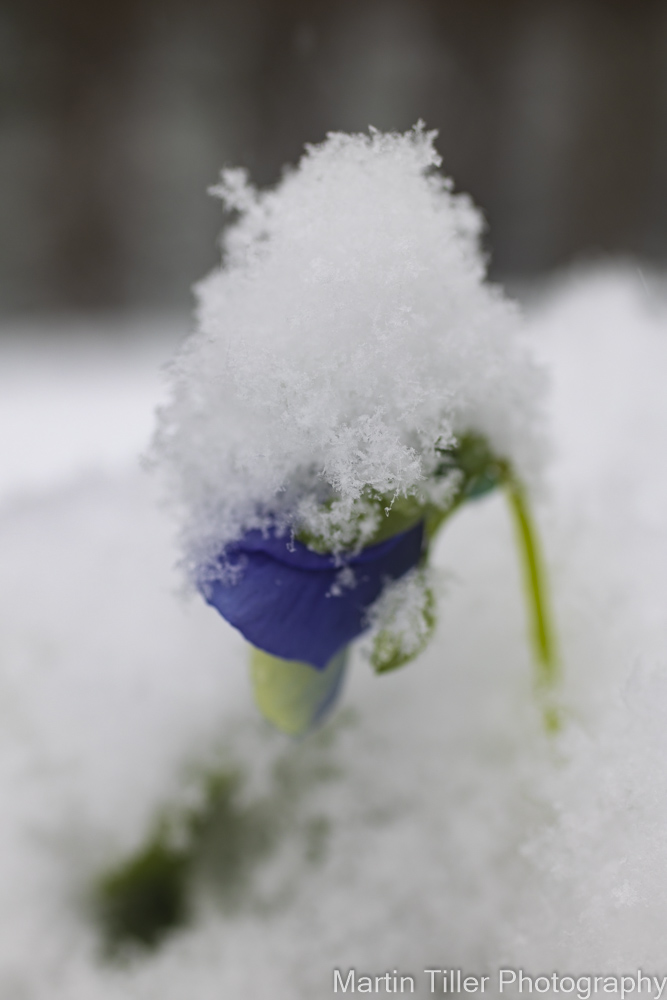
{"points": [[347, 338]]}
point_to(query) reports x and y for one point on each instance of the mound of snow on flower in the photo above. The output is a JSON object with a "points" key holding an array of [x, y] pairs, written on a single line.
{"points": [[348, 336]]}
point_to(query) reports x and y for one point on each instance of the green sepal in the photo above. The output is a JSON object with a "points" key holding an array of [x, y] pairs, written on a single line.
{"points": [[394, 515], [294, 696], [389, 651], [481, 471]]}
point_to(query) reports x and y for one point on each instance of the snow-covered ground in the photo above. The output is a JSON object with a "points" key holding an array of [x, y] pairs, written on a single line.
{"points": [[430, 824]]}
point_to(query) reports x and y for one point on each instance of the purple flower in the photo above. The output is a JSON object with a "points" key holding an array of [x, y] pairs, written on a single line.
{"points": [[298, 604]]}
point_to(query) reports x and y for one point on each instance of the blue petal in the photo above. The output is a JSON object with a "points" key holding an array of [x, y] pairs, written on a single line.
{"points": [[293, 603]]}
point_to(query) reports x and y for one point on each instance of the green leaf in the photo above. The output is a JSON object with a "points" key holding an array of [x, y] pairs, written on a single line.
{"points": [[398, 642], [144, 899]]}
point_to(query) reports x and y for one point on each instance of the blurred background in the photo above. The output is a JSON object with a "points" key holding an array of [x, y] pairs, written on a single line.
{"points": [[116, 117]]}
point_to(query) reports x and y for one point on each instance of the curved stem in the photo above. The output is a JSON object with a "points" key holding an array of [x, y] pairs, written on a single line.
{"points": [[542, 632]]}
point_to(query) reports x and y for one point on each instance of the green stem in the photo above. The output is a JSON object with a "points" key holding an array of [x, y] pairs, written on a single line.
{"points": [[542, 633]]}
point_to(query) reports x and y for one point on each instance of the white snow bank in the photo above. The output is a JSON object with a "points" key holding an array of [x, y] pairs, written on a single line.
{"points": [[77, 396], [451, 835]]}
